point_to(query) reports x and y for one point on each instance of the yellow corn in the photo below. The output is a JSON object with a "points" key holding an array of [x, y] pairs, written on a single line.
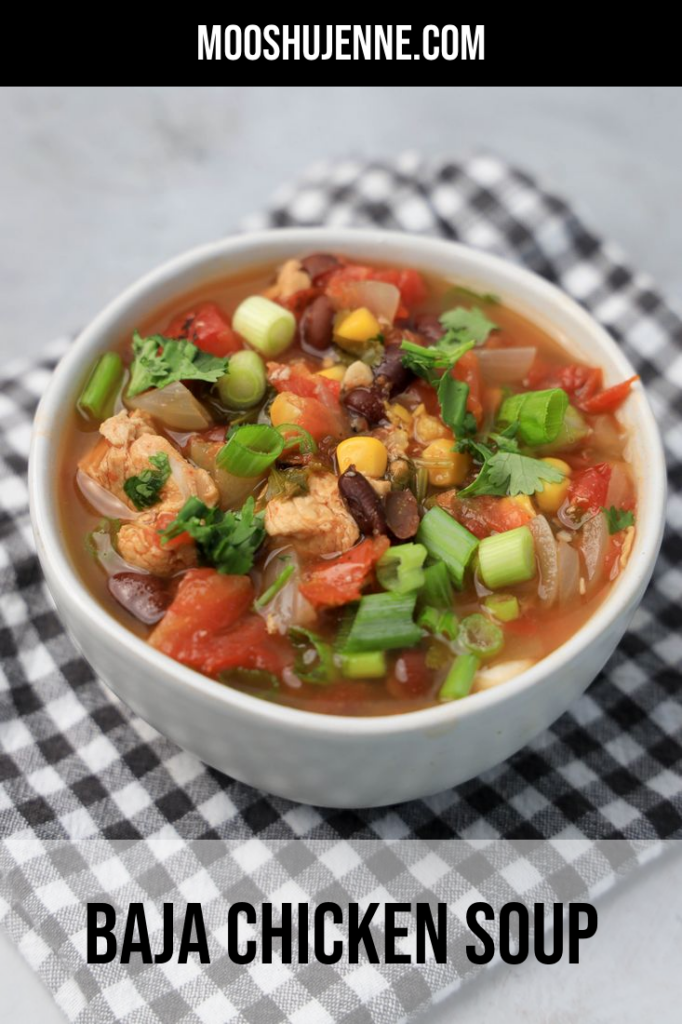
{"points": [[333, 372], [429, 428], [359, 325], [449, 468], [552, 496], [398, 415], [367, 454], [283, 410], [525, 503]]}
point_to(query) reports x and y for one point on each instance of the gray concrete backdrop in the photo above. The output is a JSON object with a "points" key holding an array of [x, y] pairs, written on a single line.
{"points": [[99, 185]]}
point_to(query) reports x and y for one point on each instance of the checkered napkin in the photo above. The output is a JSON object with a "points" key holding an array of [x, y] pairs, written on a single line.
{"points": [[75, 763]]}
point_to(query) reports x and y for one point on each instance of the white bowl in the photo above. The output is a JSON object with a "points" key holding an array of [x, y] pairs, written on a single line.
{"points": [[322, 759]]}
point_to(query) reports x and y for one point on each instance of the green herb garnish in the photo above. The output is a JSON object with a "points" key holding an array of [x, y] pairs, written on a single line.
{"points": [[468, 324], [228, 541], [144, 490], [618, 519], [160, 361], [505, 471]]}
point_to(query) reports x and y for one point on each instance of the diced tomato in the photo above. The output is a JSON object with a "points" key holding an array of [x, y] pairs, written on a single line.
{"points": [[207, 627], [487, 514], [318, 419], [608, 400], [589, 487], [297, 378], [410, 676], [206, 602], [409, 283], [337, 581], [298, 302], [579, 382], [467, 369], [207, 326], [247, 645]]}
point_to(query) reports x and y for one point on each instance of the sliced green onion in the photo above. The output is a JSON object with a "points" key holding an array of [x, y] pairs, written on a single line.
{"points": [[244, 384], [504, 607], [257, 680], [267, 326], [400, 568], [573, 429], [315, 658], [447, 541], [296, 437], [539, 414], [508, 558], [383, 622], [250, 450], [480, 636], [460, 678], [274, 589], [365, 665], [437, 590], [97, 397], [452, 396], [439, 622]]}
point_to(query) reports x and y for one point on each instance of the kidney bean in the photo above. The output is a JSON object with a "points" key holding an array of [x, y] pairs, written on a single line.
{"points": [[363, 503], [429, 326], [402, 514], [367, 402], [318, 264], [391, 375], [317, 322], [145, 597]]}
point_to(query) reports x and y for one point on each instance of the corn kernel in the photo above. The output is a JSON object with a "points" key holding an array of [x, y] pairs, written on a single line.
{"points": [[358, 325], [398, 415], [450, 468], [283, 410], [552, 496], [367, 454], [333, 372], [559, 464], [525, 503], [429, 428]]}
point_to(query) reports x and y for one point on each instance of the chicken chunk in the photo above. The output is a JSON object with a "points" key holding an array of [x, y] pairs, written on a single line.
{"points": [[139, 544], [291, 278], [128, 440], [318, 522]]}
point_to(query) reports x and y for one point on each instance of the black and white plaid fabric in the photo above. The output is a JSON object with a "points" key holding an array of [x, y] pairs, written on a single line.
{"points": [[75, 763]]}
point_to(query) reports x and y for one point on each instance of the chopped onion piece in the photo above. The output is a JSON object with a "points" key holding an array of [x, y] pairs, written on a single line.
{"points": [[234, 490], [505, 365], [569, 572], [607, 437], [494, 675], [102, 500], [548, 564], [378, 297], [594, 538], [288, 607], [620, 487], [175, 406]]}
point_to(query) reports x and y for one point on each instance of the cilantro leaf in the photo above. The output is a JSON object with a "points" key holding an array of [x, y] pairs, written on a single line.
{"points": [[468, 324], [508, 472], [618, 519], [144, 490], [228, 541], [160, 361], [424, 362], [452, 396]]}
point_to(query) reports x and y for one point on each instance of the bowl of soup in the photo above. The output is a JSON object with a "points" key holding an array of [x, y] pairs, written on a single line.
{"points": [[350, 515]]}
